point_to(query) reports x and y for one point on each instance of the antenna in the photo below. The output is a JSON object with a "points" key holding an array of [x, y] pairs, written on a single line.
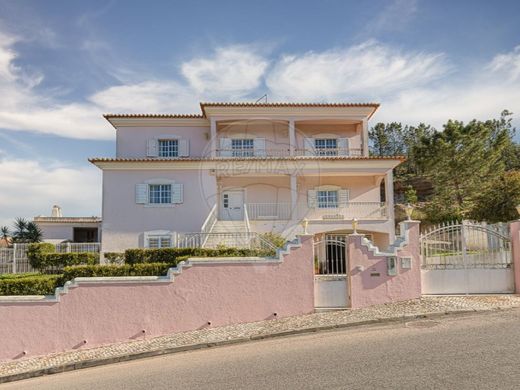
{"points": [[264, 97]]}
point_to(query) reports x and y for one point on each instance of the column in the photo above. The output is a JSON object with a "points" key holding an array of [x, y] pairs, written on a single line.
{"points": [[514, 228], [365, 137], [292, 137], [294, 195], [389, 195], [213, 137]]}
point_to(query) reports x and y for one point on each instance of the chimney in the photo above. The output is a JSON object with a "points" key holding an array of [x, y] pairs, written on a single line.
{"points": [[56, 212]]}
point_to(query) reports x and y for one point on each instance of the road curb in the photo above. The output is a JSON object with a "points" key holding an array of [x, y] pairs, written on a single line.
{"points": [[167, 351]]}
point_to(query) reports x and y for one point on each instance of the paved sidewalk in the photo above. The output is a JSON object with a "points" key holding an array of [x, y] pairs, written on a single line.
{"points": [[70, 360]]}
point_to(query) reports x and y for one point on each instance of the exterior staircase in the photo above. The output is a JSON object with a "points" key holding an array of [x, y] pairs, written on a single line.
{"points": [[228, 233]]}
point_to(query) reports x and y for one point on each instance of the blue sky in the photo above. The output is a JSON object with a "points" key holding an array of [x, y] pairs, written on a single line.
{"points": [[64, 63]]}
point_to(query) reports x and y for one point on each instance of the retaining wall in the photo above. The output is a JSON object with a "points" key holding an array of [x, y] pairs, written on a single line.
{"points": [[203, 292]]}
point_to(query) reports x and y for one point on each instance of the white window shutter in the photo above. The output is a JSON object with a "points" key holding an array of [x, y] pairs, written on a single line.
{"points": [[308, 144], [225, 147], [311, 198], [177, 193], [184, 148], [259, 147], [141, 193], [152, 149], [343, 198], [343, 147]]}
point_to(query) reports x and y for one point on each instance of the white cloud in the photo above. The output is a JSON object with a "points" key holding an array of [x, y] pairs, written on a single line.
{"points": [[483, 94], [30, 188], [370, 69], [233, 72], [394, 17], [508, 64], [148, 96]]}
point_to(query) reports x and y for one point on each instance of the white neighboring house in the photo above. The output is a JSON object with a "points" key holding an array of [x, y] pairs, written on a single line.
{"points": [[57, 228]]}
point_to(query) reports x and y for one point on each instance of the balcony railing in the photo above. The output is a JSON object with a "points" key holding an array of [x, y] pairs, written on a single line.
{"points": [[251, 153], [282, 211], [327, 152], [359, 210], [268, 211]]}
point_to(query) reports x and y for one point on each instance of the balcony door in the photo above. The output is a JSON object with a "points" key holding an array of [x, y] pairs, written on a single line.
{"points": [[232, 205]]}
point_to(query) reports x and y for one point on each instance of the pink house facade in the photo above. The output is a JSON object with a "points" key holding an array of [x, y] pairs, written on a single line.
{"points": [[241, 167]]}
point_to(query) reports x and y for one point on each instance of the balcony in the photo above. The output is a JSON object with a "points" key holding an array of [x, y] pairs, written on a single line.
{"points": [[241, 153], [282, 211]]}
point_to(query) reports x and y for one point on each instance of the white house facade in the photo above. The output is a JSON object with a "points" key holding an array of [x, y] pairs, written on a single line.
{"points": [[245, 168]]}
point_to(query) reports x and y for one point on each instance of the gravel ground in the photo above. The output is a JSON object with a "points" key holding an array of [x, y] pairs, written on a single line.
{"points": [[417, 307]]}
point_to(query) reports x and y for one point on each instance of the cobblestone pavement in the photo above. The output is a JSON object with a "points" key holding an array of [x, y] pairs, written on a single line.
{"points": [[416, 307]]}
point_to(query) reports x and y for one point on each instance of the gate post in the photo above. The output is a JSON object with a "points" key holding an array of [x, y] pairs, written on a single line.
{"points": [[515, 252]]}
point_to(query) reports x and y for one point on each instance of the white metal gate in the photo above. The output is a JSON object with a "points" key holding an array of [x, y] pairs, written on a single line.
{"points": [[467, 258], [331, 272]]}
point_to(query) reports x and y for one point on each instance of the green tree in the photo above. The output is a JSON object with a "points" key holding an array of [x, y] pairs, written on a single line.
{"points": [[463, 161], [4, 231], [26, 231], [498, 203], [33, 232]]}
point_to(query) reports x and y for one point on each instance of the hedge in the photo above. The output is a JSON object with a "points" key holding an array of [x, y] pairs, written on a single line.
{"points": [[30, 285], [114, 257], [171, 255], [47, 261], [89, 271]]}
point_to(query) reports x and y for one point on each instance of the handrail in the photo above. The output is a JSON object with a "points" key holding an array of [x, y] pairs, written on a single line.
{"points": [[246, 219], [210, 221]]}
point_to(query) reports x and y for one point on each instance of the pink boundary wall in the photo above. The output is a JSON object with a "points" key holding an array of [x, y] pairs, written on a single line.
{"points": [[515, 248], [102, 312], [370, 283]]}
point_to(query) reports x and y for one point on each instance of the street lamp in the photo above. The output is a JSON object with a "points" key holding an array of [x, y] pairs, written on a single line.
{"points": [[408, 209]]}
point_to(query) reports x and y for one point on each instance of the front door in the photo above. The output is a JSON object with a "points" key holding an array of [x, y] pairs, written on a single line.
{"points": [[232, 205]]}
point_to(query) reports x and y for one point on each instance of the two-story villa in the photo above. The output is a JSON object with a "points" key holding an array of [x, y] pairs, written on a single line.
{"points": [[245, 167]]}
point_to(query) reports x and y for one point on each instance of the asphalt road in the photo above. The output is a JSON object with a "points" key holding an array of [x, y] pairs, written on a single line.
{"points": [[480, 351]]}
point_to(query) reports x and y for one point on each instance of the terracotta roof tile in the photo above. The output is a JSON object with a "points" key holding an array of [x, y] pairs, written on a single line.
{"points": [[238, 104], [111, 159], [180, 116], [283, 104]]}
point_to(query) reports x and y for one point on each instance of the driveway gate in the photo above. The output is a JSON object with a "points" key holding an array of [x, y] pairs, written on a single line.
{"points": [[467, 258], [331, 275]]}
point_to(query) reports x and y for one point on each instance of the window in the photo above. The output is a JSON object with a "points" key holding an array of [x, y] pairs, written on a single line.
{"points": [[327, 199], [159, 241], [242, 147], [326, 146], [226, 201], [160, 193], [168, 148]]}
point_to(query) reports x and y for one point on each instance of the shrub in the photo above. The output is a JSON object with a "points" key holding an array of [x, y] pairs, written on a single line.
{"points": [[274, 238], [89, 271], [18, 276], [48, 262], [171, 255], [114, 257], [30, 285], [34, 251]]}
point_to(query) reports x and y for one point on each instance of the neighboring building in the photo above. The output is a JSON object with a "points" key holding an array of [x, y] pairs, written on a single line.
{"points": [[57, 228], [242, 167]]}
